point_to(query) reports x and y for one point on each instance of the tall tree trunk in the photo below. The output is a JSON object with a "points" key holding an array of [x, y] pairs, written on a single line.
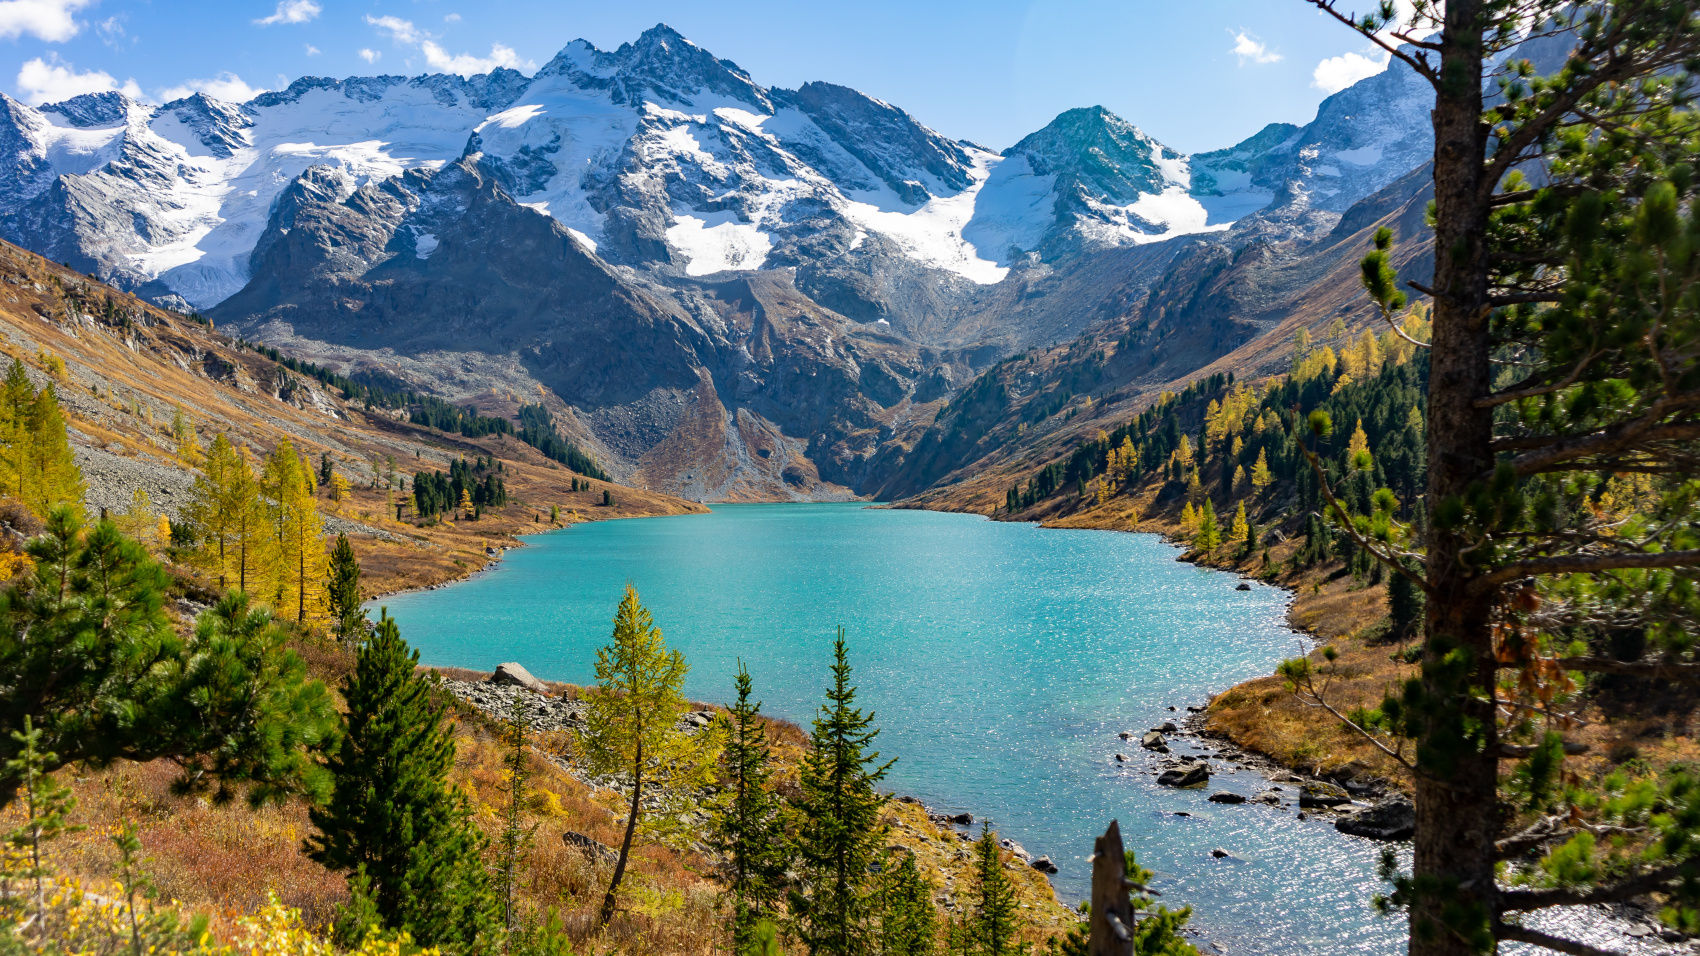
{"points": [[1457, 791], [626, 844]]}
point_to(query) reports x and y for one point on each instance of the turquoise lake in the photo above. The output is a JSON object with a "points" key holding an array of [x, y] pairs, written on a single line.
{"points": [[1001, 660]]}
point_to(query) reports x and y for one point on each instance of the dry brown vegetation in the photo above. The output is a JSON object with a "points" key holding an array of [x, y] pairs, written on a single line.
{"points": [[127, 367]]}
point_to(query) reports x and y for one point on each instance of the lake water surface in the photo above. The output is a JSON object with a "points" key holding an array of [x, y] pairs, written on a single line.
{"points": [[1001, 660]]}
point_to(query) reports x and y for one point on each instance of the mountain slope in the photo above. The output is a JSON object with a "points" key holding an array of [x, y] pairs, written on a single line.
{"points": [[128, 368], [719, 288]]}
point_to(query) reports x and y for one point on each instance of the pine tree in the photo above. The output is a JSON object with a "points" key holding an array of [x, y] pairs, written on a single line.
{"points": [[908, 923], [253, 547], [1564, 351], [53, 476], [516, 833], [993, 922], [89, 654], [631, 727], [1209, 536], [17, 397], [47, 807], [1240, 528], [139, 521], [394, 820], [183, 433], [1260, 474], [840, 830], [211, 510], [747, 826], [302, 566], [342, 591], [1357, 449]]}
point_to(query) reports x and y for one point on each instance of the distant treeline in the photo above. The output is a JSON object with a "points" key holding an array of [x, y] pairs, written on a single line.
{"points": [[536, 427], [477, 483]]}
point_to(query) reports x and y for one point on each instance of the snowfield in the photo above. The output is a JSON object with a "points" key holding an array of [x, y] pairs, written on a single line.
{"points": [[683, 145]]}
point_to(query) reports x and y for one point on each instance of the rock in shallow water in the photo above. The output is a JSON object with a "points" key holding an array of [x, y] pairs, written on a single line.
{"points": [[1191, 774], [1226, 796], [1389, 820], [1316, 794]]}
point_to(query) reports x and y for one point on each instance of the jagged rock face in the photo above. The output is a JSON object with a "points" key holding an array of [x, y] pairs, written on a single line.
{"points": [[745, 388], [721, 288]]}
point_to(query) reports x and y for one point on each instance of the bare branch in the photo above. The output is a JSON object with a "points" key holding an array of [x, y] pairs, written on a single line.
{"points": [[1416, 62], [1677, 671], [1651, 426], [1625, 889], [1586, 564], [1505, 396]]}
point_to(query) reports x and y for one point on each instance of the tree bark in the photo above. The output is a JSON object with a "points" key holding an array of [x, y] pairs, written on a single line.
{"points": [[626, 844], [1454, 898]]}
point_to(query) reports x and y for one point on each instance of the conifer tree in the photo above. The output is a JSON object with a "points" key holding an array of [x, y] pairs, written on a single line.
{"points": [[254, 550], [394, 820], [87, 652], [840, 829], [303, 566], [211, 509], [747, 826], [183, 433], [1564, 352], [47, 806], [1260, 474], [17, 397], [1209, 536], [908, 923], [53, 478], [631, 728], [342, 591], [992, 924], [1240, 529], [516, 834]]}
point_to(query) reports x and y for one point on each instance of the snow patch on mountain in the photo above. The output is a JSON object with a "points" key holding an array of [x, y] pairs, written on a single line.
{"points": [[718, 242]]}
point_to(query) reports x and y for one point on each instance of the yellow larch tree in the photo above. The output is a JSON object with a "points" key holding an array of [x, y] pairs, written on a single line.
{"points": [[1357, 449], [1260, 473]]}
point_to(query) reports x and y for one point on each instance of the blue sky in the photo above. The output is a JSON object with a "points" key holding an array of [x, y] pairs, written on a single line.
{"points": [[1196, 74]]}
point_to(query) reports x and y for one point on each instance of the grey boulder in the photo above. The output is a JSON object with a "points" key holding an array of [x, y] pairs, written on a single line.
{"points": [[1392, 819], [1186, 775], [512, 673]]}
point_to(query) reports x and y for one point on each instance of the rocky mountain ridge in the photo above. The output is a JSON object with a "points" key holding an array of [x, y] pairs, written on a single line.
{"points": [[725, 290]]}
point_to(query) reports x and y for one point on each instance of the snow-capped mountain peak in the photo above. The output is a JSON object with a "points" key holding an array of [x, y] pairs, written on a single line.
{"points": [[658, 156]]}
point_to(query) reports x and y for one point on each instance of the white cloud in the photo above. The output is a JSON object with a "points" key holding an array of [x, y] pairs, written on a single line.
{"points": [[111, 32], [51, 80], [50, 20], [466, 64], [291, 11], [1338, 72], [369, 55], [226, 86], [1252, 50], [313, 50], [401, 31], [452, 18]]}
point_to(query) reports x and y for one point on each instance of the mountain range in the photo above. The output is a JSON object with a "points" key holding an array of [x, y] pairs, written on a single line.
{"points": [[723, 290]]}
